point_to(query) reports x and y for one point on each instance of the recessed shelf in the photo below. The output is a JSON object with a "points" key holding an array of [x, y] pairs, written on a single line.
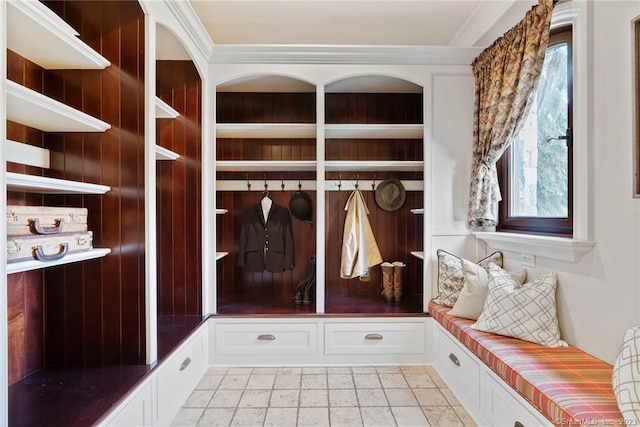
{"points": [[38, 111], [267, 166], [418, 254], [265, 130], [220, 255], [417, 211], [40, 184], [17, 267], [374, 131], [165, 154], [221, 211], [164, 110], [35, 32], [384, 165]]}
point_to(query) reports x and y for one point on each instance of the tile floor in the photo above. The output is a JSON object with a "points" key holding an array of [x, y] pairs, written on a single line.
{"points": [[319, 396]]}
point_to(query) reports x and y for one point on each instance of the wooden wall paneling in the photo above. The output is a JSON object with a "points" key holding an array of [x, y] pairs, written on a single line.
{"points": [[250, 107]]}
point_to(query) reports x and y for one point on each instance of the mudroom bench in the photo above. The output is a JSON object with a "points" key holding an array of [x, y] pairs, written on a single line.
{"points": [[509, 382]]}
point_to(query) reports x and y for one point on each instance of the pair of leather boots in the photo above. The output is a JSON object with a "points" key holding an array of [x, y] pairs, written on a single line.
{"points": [[303, 289], [392, 281]]}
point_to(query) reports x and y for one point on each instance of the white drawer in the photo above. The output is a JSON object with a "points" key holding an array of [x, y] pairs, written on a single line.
{"points": [[134, 411], [459, 370], [266, 338], [375, 338], [503, 408], [178, 376]]}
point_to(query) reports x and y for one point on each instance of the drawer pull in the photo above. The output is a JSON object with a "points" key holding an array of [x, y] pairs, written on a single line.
{"points": [[266, 337], [185, 363], [454, 359], [376, 337], [518, 424]]}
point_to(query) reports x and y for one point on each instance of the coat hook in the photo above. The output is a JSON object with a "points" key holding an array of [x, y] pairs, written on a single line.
{"points": [[282, 182], [373, 183], [339, 182], [299, 184], [248, 183], [266, 187], [357, 178]]}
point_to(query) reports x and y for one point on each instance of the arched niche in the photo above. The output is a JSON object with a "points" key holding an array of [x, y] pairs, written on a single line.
{"points": [[372, 84], [273, 83]]}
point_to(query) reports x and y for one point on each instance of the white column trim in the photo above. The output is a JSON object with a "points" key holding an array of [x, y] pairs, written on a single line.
{"points": [[4, 367], [320, 201]]}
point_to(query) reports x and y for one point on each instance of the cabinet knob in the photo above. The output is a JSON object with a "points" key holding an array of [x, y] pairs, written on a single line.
{"points": [[266, 337], [454, 359], [518, 424], [375, 337], [185, 363]]}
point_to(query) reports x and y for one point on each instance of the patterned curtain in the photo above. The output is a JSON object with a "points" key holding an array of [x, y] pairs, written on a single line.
{"points": [[506, 76]]}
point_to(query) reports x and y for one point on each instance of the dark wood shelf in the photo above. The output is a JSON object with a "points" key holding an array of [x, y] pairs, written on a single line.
{"points": [[373, 305], [250, 304]]}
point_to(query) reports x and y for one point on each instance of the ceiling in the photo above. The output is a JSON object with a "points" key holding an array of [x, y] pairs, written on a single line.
{"points": [[461, 23]]}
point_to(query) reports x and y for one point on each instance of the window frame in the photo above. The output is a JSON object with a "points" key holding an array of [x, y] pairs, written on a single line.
{"points": [[562, 227]]}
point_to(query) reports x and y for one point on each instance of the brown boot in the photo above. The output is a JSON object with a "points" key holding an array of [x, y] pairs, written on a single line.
{"points": [[397, 280], [387, 281]]}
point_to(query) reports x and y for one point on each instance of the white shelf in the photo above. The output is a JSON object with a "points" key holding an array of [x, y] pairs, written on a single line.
{"points": [[374, 131], [417, 211], [358, 166], [418, 254], [40, 184], [220, 255], [266, 166], [33, 109], [265, 130], [26, 154], [164, 110], [35, 32], [165, 154], [221, 211], [17, 267]]}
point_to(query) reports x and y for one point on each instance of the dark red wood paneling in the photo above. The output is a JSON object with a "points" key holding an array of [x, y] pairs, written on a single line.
{"points": [[252, 107], [179, 191]]}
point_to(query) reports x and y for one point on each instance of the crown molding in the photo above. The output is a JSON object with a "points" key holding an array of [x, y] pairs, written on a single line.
{"points": [[188, 19], [485, 15], [298, 54]]}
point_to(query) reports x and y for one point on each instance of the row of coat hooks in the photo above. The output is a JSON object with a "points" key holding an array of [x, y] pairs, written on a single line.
{"points": [[265, 185]]}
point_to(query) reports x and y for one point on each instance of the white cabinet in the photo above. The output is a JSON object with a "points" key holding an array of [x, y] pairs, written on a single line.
{"points": [[377, 338], [136, 410], [502, 407], [177, 377], [266, 338]]}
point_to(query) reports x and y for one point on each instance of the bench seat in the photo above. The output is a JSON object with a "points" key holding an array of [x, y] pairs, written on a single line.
{"points": [[567, 385]]}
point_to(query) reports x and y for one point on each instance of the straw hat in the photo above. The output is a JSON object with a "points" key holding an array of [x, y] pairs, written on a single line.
{"points": [[390, 194]]}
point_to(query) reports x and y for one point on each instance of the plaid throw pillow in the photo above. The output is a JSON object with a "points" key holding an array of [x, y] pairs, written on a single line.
{"points": [[626, 376], [451, 277], [527, 312]]}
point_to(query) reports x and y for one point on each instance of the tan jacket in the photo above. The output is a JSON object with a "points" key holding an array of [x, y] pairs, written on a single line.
{"points": [[359, 248]]}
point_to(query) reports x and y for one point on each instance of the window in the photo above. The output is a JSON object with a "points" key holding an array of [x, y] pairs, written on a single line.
{"points": [[536, 171]]}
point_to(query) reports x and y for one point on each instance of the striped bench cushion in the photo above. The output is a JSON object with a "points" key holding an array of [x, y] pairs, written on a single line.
{"points": [[567, 385]]}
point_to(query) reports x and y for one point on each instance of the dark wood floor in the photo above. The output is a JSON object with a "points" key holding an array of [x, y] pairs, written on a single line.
{"points": [[81, 396]]}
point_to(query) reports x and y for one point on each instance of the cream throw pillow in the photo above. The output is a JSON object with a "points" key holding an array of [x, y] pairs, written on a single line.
{"points": [[451, 278], [470, 303], [527, 312], [626, 376]]}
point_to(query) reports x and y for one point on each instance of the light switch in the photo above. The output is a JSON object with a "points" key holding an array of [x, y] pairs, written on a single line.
{"points": [[528, 260]]}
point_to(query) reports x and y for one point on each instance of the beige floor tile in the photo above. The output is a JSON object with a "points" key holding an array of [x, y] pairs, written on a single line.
{"points": [[265, 371], [377, 417], [338, 370], [451, 398], [464, 416], [363, 369], [284, 398], [261, 382], [209, 382], [414, 369], [400, 397], [388, 370], [430, 397], [225, 399], [345, 417], [371, 397], [366, 381], [314, 370], [217, 417], [442, 416], [217, 370], [199, 399], [290, 370], [187, 417], [287, 381], [437, 380], [234, 382], [340, 381], [410, 416], [255, 399], [393, 381], [250, 417], [281, 417], [344, 397], [239, 371], [419, 380], [314, 398], [313, 417], [314, 381]]}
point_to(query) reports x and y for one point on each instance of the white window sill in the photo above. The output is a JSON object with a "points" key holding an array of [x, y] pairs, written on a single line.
{"points": [[559, 248]]}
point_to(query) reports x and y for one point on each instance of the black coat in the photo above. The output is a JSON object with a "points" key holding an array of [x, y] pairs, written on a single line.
{"points": [[266, 246]]}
